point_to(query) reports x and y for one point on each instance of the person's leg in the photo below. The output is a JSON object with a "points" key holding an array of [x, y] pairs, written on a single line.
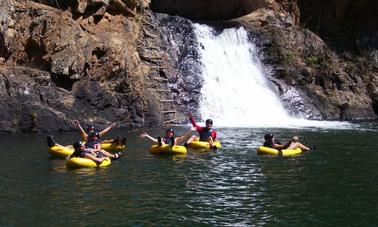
{"points": [[94, 158], [211, 142], [190, 140], [110, 155], [50, 141], [295, 145], [107, 154]]}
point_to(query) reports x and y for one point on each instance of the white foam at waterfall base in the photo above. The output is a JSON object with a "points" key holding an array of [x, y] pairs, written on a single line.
{"points": [[236, 92]]}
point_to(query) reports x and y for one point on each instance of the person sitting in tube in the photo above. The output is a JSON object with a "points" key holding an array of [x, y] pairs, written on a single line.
{"points": [[83, 152], [169, 137], [271, 142], [94, 143], [207, 133], [92, 129]]}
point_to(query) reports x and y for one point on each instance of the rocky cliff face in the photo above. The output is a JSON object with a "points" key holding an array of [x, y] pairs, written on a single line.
{"points": [[338, 77], [102, 61], [326, 50], [57, 65]]}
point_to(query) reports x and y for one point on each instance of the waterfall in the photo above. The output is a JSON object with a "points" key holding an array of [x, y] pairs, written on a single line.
{"points": [[235, 91]]}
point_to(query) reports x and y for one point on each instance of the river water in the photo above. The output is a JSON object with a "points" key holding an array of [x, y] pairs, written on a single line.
{"points": [[335, 185]]}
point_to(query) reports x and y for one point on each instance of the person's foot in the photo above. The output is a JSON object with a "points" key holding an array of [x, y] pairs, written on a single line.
{"points": [[50, 141], [117, 155], [159, 141]]}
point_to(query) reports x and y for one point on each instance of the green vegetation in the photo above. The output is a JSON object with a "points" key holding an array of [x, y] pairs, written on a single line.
{"points": [[316, 61], [34, 119], [288, 58]]}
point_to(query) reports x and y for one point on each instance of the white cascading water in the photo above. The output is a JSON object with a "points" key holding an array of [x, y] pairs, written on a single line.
{"points": [[235, 92]]}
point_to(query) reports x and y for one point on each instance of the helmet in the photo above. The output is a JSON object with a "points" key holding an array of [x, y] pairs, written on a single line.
{"points": [[170, 130], [77, 145], [268, 136], [209, 121], [91, 128]]}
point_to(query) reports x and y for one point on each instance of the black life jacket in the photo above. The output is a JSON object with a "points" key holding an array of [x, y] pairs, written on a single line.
{"points": [[169, 140], [205, 134], [268, 144], [91, 144]]}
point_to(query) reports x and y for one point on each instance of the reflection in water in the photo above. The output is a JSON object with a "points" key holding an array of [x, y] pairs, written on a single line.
{"points": [[231, 186]]}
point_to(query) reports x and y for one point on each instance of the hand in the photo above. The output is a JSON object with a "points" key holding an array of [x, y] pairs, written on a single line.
{"points": [[193, 129], [76, 122], [143, 135], [113, 125]]}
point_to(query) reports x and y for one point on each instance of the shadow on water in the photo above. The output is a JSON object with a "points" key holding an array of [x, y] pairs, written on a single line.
{"points": [[334, 185]]}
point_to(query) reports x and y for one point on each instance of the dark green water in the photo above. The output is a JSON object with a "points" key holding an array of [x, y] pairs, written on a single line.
{"points": [[336, 185]]}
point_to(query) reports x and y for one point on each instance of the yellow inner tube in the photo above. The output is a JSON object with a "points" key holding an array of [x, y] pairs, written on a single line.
{"points": [[167, 149], [271, 151], [204, 145], [76, 162], [61, 151], [68, 150], [112, 147]]}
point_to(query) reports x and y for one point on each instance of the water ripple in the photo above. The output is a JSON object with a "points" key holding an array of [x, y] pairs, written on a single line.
{"points": [[233, 186]]}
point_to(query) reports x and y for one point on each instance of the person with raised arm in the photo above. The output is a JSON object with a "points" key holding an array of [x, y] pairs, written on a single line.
{"points": [[206, 134], [169, 137]]}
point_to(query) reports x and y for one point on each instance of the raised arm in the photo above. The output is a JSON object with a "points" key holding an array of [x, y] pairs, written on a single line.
{"points": [[106, 130], [143, 135], [84, 135], [191, 119]]}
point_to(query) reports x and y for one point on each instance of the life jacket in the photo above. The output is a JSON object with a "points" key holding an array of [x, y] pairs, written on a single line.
{"points": [[268, 144], [169, 140], [93, 144], [205, 133]]}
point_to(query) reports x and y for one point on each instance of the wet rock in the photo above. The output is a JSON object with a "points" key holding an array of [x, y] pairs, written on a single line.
{"points": [[330, 86], [187, 81]]}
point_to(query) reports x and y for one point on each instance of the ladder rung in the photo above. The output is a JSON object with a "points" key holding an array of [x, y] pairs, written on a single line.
{"points": [[165, 122], [162, 90], [172, 120], [158, 67], [168, 111], [160, 78]]}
